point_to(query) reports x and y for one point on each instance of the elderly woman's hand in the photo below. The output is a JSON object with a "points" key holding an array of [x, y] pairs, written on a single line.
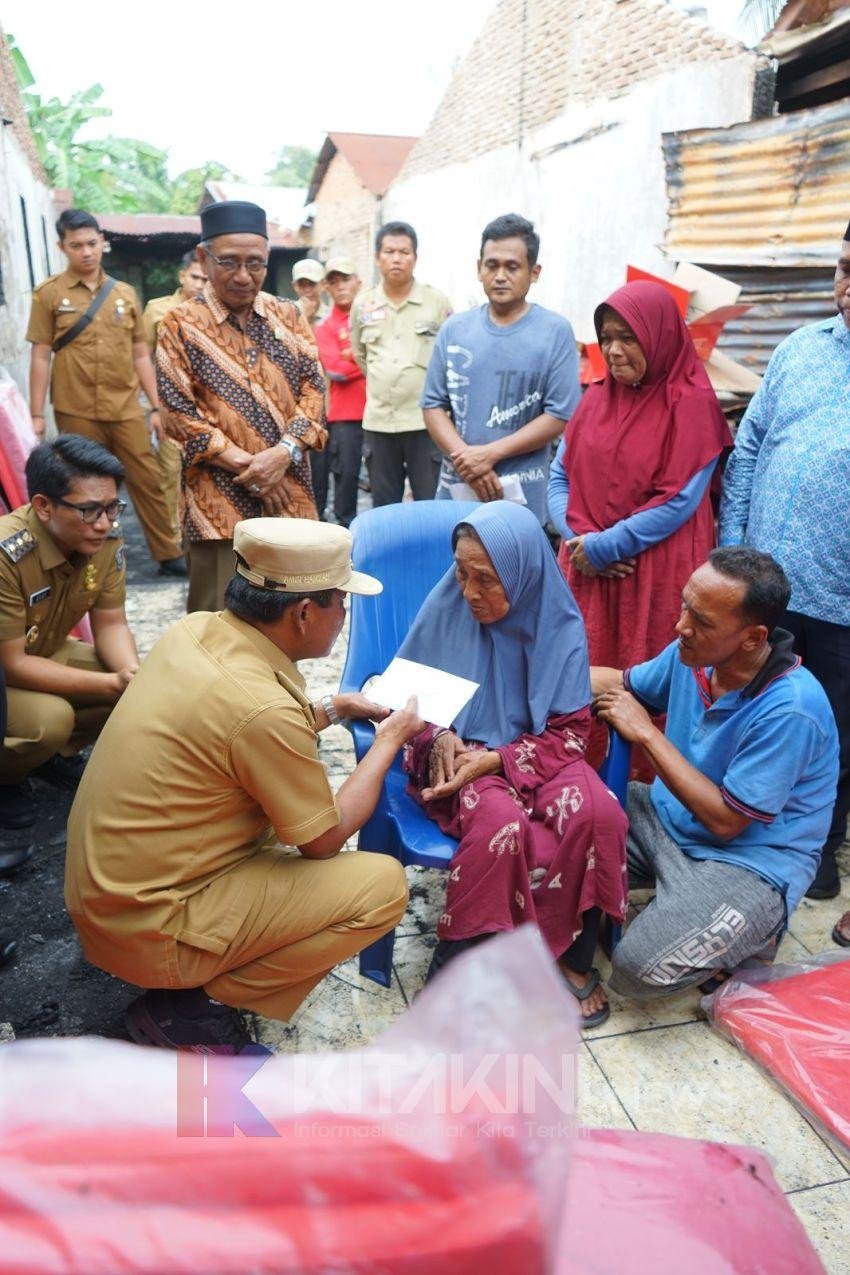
{"points": [[446, 750], [579, 558], [474, 764]]}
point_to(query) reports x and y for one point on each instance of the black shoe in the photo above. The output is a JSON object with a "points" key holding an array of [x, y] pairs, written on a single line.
{"points": [[827, 883], [154, 1019], [62, 772], [174, 567], [13, 858], [17, 805], [8, 948]]}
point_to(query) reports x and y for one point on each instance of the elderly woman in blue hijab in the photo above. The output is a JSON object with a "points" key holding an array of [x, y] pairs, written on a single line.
{"points": [[540, 836]]}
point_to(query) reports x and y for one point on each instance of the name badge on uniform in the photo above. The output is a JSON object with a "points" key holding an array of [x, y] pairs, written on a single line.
{"points": [[119, 310], [39, 595], [373, 316], [66, 307]]}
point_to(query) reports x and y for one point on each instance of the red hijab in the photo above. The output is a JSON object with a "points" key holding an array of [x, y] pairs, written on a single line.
{"points": [[632, 448]]}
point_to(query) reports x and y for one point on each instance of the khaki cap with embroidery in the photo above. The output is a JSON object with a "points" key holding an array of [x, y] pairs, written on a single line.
{"points": [[297, 555], [307, 268]]}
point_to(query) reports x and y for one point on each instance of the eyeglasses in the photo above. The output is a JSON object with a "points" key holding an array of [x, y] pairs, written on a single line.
{"points": [[91, 513], [254, 265]]}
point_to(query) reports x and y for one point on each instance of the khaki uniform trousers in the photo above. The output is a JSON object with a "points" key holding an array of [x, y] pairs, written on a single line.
{"points": [[170, 461], [211, 565], [302, 918], [40, 725], [130, 443]]}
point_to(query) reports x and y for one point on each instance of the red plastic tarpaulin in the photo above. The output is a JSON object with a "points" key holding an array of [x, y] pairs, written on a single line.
{"points": [[795, 1021]]}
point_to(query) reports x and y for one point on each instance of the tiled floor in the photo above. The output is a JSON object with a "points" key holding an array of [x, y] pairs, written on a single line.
{"points": [[653, 1067]]}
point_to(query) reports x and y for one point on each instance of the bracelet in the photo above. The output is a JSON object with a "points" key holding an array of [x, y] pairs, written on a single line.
{"points": [[327, 703]]}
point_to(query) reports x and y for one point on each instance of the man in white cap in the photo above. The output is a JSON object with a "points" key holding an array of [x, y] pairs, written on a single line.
{"points": [[170, 880], [308, 276]]}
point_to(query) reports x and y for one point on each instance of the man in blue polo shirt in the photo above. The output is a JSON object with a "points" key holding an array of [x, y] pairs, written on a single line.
{"points": [[730, 832]]}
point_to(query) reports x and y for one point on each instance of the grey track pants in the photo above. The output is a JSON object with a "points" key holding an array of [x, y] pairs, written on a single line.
{"points": [[706, 915]]}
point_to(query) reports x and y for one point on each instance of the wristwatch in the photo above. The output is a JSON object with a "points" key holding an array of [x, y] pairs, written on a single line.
{"points": [[327, 703], [296, 452]]}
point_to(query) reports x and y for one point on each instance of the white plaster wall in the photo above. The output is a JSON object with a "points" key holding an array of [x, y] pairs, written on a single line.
{"points": [[599, 202], [17, 179]]}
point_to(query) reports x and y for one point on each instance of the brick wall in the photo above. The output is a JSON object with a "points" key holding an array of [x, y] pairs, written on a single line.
{"points": [[574, 50], [12, 108], [344, 220]]}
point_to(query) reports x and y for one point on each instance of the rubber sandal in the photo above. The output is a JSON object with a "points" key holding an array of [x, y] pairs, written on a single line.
{"points": [[582, 993], [837, 936]]}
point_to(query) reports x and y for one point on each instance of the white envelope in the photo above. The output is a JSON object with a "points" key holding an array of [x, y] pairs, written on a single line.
{"points": [[441, 695], [511, 489]]}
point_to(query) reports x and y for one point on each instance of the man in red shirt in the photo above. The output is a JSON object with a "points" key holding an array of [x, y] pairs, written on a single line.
{"points": [[347, 395]]}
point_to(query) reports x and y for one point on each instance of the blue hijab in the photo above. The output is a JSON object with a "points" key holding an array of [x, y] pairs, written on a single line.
{"points": [[529, 665]]}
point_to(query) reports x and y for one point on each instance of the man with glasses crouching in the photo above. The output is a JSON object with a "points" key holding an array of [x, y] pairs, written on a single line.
{"points": [[242, 393], [61, 558]]}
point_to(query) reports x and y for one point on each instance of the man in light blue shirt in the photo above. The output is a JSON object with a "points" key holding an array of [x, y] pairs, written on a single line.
{"points": [[503, 378], [787, 492], [731, 829]]}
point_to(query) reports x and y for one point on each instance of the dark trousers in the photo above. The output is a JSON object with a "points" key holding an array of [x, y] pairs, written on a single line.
{"points": [[341, 458], [825, 650], [391, 457]]}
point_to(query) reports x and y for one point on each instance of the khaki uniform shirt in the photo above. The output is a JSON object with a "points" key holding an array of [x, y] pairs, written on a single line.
{"points": [[155, 311], [393, 343], [94, 377], [43, 594], [212, 740]]}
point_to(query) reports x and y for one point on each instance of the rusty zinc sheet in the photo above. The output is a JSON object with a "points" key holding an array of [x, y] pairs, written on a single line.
{"points": [[768, 192], [780, 302]]}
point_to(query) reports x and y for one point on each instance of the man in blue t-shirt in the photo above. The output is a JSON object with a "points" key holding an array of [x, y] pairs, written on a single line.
{"points": [[730, 832], [503, 378]]}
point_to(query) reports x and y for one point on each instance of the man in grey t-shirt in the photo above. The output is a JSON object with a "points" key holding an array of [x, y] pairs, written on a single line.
{"points": [[503, 378]]}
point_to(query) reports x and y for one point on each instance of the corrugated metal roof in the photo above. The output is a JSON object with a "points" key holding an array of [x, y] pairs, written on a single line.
{"points": [[768, 192], [157, 225], [781, 301]]}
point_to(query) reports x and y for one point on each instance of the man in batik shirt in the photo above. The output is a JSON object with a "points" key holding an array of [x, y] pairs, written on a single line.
{"points": [[242, 394]]}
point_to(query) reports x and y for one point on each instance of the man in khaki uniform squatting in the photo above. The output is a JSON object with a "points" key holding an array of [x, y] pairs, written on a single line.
{"points": [[91, 327], [61, 558], [169, 878]]}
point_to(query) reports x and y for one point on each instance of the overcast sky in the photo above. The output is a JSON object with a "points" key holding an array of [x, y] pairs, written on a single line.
{"points": [[234, 82]]}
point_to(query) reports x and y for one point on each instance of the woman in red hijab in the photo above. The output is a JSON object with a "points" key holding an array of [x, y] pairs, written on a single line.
{"points": [[630, 486]]}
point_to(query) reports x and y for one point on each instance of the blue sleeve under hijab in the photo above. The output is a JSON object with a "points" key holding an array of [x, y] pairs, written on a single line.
{"points": [[632, 535]]}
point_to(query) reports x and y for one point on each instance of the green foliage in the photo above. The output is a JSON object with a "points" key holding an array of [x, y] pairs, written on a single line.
{"points": [[105, 174], [108, 174], [293, 167], [188, 186]]}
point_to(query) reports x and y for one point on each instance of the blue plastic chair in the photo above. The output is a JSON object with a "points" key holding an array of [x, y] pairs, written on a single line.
{"points": [[408, 548]]}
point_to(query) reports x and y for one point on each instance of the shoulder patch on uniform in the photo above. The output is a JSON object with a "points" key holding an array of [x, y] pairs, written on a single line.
{"points": [[18, 545], [116, 531]]}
